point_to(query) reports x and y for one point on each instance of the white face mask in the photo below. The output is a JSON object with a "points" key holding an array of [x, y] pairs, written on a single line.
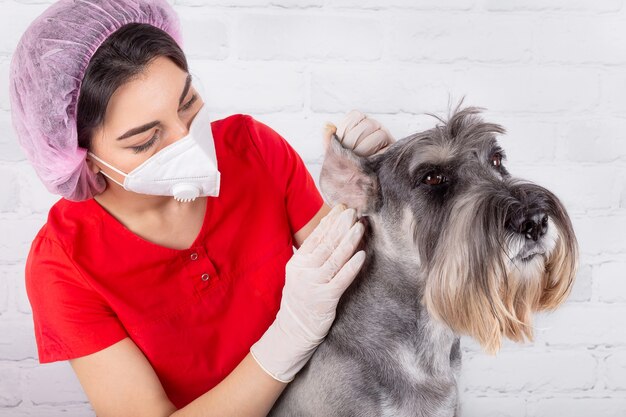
{"points": [[186, 169]]}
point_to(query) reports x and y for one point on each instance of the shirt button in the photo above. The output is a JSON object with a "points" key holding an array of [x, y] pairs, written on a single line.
{"points": [[194, 256], [205, 277]]}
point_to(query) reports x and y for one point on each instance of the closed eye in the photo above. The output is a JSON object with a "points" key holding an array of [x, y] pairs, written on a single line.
{"points": [[144, 146]]}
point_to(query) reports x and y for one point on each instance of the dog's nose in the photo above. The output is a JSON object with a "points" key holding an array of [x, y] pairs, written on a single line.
{"points": [[531, 225]]}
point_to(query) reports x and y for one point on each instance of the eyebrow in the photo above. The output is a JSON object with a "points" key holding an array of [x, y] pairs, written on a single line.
{"points": [[136, 130]]}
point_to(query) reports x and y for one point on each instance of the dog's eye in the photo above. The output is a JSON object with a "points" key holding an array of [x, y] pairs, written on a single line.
{"points": [[434, 178], [496, 160]]}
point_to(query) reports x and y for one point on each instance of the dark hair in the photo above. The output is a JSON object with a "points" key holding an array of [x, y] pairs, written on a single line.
{"points": [[122, 56]]}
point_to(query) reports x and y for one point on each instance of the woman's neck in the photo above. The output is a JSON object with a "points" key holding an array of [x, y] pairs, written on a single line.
{"points": [[127, 203], [158, 219]]}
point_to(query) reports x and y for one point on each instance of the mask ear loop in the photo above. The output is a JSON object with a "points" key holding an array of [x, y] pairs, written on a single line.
{"points": [[109, 166]]}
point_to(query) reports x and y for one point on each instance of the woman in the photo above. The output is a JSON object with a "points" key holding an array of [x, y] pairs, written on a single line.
{"points": [[166, 275]]}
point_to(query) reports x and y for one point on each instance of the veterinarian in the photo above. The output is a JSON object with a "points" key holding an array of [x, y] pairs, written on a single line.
{"points": [[166, 274]]}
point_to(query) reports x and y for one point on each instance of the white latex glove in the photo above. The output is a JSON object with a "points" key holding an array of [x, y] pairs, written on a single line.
{"points": [[363, 135], [316, 277]]}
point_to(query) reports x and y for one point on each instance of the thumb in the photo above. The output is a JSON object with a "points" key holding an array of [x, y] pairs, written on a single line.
{"points": [[329, 130]]}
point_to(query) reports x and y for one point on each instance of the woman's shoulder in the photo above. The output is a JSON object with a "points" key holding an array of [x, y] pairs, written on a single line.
{"points": [[234, 121], [66, 219], [242, 130], [235, 124]]}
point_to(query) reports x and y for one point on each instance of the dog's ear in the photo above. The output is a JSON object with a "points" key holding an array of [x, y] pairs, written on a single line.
{"points": [[345, 177]]}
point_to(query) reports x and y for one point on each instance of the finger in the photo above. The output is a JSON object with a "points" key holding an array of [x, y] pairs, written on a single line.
{"points": [[348, 272], [390, 138], [344, 250], [372, 144], [349, 121], [329, 130], [332, 239], [381, 150], [313, 239], [356, 134]]}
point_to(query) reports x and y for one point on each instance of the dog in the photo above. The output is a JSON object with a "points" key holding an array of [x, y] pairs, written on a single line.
{"points": [[455, 246]]}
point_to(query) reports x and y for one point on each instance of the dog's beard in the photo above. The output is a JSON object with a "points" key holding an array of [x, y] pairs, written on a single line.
{"points": [[479, 283]]}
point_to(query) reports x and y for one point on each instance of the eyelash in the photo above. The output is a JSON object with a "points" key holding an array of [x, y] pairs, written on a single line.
{"points": [[155, 137]]}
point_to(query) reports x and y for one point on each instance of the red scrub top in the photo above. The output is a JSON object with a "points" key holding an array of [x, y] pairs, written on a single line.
{"points": [[194, 313]]}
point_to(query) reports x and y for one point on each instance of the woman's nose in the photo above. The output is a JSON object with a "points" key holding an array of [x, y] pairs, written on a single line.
{"points": [[180, 129]]}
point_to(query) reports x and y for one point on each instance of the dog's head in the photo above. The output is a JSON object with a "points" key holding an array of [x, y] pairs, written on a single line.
{"points": [[491, 248]]}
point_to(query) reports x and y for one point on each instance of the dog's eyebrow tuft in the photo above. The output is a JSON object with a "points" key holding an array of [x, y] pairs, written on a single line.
{"points": [[402, 154]]}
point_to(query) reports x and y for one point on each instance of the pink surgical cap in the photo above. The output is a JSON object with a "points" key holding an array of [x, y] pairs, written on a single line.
{"points": [[46, 73]]}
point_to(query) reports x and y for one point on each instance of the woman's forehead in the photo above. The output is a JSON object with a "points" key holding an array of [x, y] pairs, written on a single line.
{"points": [[142, 99]]}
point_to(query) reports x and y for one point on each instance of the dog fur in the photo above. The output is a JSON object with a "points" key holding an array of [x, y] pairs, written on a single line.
{"points": [[455, 246]]}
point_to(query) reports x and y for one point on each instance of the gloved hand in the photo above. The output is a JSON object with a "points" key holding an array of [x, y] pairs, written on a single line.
{"points": [[316, 276], [363, 135]]}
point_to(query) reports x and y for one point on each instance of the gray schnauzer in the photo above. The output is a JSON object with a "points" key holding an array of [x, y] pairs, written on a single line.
{"points": [[455, 245]]}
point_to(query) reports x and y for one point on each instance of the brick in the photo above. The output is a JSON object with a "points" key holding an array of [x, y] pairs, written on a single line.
{"points": [[283, 4], [204, 34], [5, 283], [34, 196], [10, 150], [474, 405], [10, 393], [615, 368], [14, 24], [610, 282], [378, 89], [410, 4], [549, 71], [554, 5], [530, 371], [303, 132], [598, 234], [315, 170], [566, 39], [596, 195], [422, 37], [582, 324], [526, 140], [53, 383], [425, 88], [577, 407], [581, 290], [399, 125], [17, 339], [18, 285], [17, 236], [4, 75], [9, 191], [12, 278], [592, 140], [613, 86], [251, 88], [472, 347], [306, 36], [530, 89]]}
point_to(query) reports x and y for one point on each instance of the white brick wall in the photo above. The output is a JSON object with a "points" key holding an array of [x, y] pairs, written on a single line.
{"points": [[553, 72]]}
